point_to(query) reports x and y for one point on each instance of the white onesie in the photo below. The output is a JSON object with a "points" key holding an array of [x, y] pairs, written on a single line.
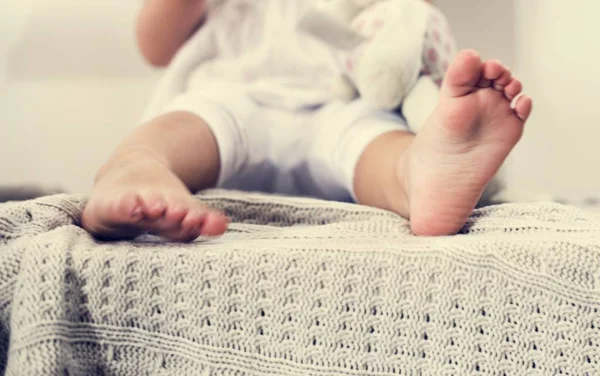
{"points": [[257, 44], [263, 87]]}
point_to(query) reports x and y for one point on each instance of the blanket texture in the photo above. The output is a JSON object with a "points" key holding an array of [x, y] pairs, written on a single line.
{"points": [[302, 287]]}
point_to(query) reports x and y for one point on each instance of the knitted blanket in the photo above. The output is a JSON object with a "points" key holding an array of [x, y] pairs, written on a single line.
{"points": [[302, 287]]}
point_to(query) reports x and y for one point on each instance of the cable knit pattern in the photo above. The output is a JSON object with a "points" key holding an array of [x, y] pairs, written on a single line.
{"points": [[302, 287]]}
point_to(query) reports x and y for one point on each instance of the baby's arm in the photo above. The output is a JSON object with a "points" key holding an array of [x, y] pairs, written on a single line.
{"points": [[164, 25]]}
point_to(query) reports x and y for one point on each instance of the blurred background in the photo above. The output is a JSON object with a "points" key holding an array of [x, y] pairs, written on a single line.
{"points": [[72, 84]]}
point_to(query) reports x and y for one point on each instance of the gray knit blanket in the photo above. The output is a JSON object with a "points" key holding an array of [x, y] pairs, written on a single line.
{"points": [[302, 287]]}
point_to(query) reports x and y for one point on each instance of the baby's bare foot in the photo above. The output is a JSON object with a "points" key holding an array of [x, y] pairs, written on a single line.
{"points": [[463, 144], [137, 195]]}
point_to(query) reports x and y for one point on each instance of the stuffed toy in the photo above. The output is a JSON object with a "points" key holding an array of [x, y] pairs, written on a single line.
{"points": [[393, 53]]}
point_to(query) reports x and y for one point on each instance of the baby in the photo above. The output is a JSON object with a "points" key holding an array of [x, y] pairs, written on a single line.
{"points": [[256, 114]]}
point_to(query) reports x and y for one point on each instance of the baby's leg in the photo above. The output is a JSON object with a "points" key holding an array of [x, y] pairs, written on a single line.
{"points": [[146, 184], [436, 177]]}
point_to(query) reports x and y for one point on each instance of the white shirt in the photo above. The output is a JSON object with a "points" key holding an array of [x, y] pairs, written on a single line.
{"points": [[258, 43]]}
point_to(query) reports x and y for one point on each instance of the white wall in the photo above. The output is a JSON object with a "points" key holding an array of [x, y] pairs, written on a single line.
{"points": [[552, 46], [557, 51], [71, 83]]}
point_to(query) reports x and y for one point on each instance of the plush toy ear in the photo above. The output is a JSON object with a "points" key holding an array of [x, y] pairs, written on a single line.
{"points": [[388, 67], [346, 10], [330, 29]]}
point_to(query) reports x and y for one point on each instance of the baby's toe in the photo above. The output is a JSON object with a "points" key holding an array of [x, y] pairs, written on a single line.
{"points": [[127, 209], [193, 221], [169, 223], [463, 74], [513, 89], [492, 70], [117, 217], [180, 234], [522, 105], [184, 233], [176, 212], [153, 205], [501, 82], [215, 224]]}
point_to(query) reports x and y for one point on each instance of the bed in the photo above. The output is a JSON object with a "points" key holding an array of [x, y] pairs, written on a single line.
{"points": [[302, 287]]}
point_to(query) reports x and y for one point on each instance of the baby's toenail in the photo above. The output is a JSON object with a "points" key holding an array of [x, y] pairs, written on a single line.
{"points": [[136, 212], [516, 100]]}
